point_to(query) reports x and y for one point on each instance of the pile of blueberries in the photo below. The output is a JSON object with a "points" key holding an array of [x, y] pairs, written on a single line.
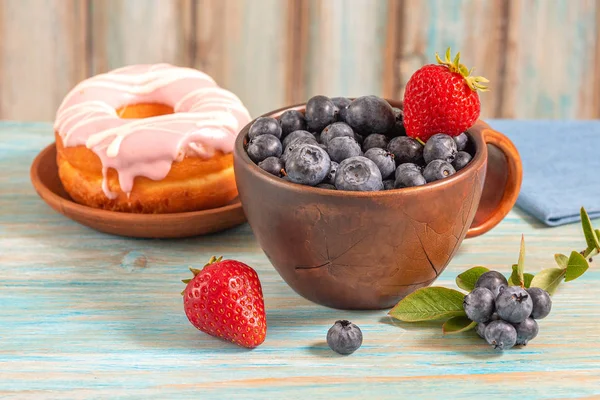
{"points": [[358, 145], [506, 315]]}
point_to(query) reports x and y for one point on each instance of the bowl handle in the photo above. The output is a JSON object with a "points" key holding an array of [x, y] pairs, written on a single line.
{"points": [[502, 182]]}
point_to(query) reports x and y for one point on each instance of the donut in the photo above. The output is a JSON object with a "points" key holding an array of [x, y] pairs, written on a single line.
{"points": [[149, 139]]}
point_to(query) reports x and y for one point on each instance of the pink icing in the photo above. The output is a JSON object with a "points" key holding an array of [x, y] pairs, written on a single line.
{"points": [[206, 118]]}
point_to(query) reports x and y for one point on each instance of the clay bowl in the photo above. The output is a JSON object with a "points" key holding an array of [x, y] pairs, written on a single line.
{"points": [[44, 177], [367, 250]]}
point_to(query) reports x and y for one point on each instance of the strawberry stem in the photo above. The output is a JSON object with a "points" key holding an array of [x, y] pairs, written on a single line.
{"points": [[474, 82]]}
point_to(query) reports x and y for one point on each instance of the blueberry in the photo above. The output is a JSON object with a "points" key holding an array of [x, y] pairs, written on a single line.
{"points": [[402, 168], [291, 121], [265, 126], [337, 129], [272, 165], [480, 329], [342, 104], [383, 159], [495, 316], [439, 147], [370, 114], [501, 335], [293, 145], [330, 178], [479, 304], [358, 174], [461, 141], [409, 178], [263, 146], [542, 302], [388, 184], [359, 138], [526, 331], [438, 169], [461, 160], [406, 150], [375, 140], [320, 112], [295, 135], [398, 129], [343, 147], [514, 304], [344, 337], [308, 165], [492, 280], [326, 186]]}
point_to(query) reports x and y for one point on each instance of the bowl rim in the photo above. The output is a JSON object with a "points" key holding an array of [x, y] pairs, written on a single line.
{"points": [[475, 133]]}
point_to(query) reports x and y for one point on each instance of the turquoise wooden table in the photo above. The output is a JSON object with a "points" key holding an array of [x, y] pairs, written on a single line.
{"points": [[88, 315]]}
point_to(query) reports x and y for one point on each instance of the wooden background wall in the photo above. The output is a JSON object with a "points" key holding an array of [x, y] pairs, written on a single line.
{"points": [[541, 56]]}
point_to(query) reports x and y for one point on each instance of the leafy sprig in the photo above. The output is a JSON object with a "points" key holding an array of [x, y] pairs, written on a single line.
{"points": [[440, 303]]}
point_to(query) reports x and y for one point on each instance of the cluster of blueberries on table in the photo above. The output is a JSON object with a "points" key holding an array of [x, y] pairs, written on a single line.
{"points": [[357, 145], [506, 315]]}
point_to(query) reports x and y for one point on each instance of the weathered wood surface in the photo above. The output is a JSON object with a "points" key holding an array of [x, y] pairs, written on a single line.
{"points": [[87, 315], [542, 57]]}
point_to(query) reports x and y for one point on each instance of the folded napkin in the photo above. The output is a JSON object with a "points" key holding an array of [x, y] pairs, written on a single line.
{"points": [[561, 167]]}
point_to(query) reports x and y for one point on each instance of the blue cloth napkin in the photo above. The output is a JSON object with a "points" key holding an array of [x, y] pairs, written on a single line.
{"points": [[561, 167]]}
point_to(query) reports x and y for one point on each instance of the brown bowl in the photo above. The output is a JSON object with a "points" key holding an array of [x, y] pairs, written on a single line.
{"points": [[367, 250], [44, 176]]}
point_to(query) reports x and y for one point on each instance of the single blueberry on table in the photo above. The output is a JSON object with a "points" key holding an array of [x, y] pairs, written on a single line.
{"points": [[402, 168], [542, 302], [326, 186], [343, 147], [406, 150], [479, 305], [526, 331], [291, 121], [439, 147], [296, 135], [330, 177], [501, 335], [409, 178], [262, 147], [375, 140], [294, 144], [438, 169], [308, 165], [461, 160], [265, 126], [461, 141], [337, 129], [370, 114], [398, 129], [388, 184], [480, 329], [273, 165], [383, 159], [342, 104], [344, 337], [492, 280], [320, 112], [514, 304], [358, 174]]}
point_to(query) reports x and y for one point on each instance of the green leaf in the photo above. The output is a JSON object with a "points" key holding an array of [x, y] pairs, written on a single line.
{"points": [[430, 303], [515, 278], [577, 265], [521, 263], [457, 325], [467, 279], [548, 279], [528, 278], [561, 260], [591, 238]]}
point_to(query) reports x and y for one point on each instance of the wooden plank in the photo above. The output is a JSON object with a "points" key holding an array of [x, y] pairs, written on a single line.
{"points": [[392, 80], [346, 47], [551, 59], [140, 31], [473, 27], [88, 315], [42, 55], [242, 44]]}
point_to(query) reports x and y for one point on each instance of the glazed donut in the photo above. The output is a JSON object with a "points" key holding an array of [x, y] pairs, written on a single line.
{"points": [[149, 139]]}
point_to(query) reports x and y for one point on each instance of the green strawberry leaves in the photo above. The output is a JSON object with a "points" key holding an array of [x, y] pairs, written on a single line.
{"points": [[467, 279], [427, 304]]}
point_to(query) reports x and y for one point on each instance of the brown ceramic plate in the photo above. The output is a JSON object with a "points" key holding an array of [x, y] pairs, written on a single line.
{"points": [[44, 176]]}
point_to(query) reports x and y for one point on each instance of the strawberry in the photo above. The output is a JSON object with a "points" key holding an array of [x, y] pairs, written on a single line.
{"points": [[225, 300], [442, 98]]}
